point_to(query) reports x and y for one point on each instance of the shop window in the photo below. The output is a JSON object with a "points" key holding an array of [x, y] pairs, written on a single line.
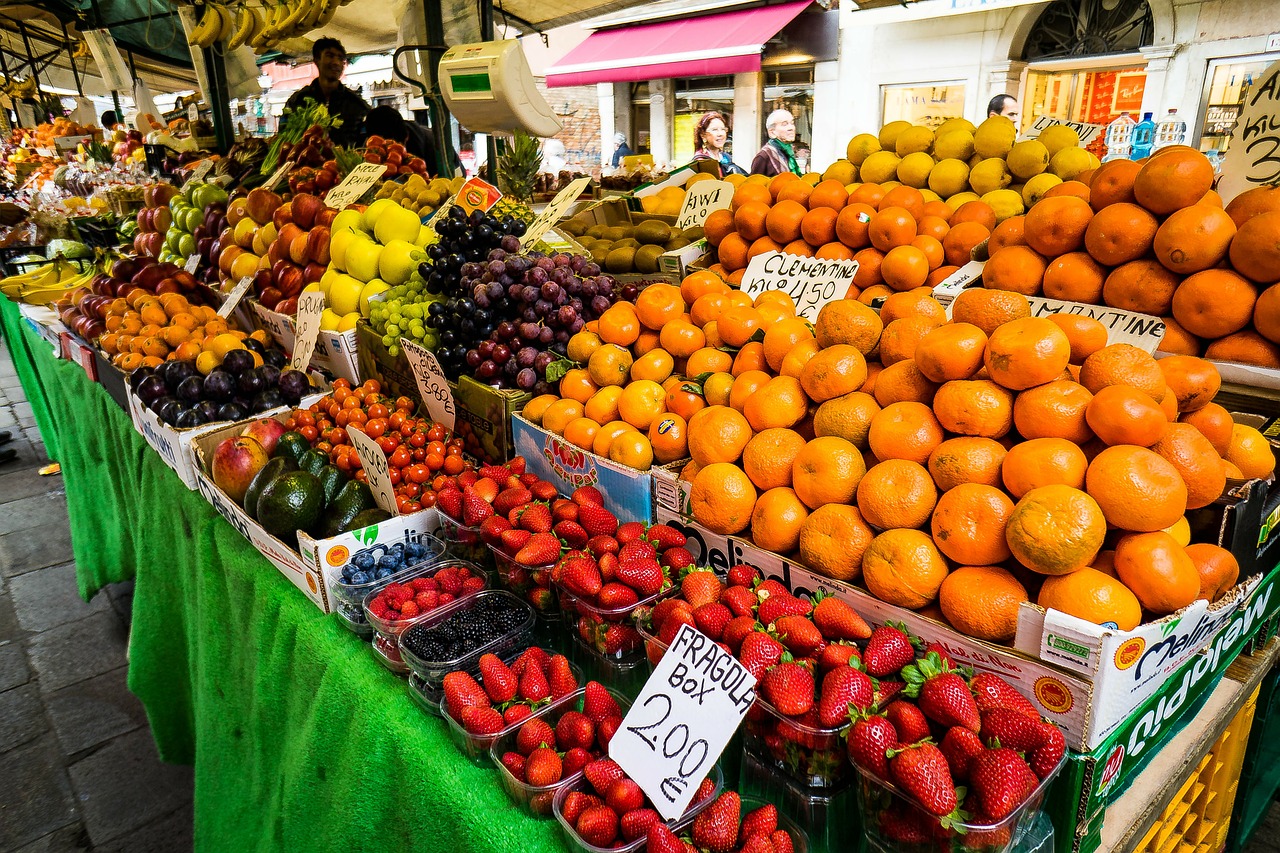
{"points": [[791, 89], [929, 104], [1089, 28], [1226, 86], [1092, 97]]}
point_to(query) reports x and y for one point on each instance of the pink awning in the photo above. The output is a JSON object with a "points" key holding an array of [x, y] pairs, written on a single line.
{"points": [[728, 43]]}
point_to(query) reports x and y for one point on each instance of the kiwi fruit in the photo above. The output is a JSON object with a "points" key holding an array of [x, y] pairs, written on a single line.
{"points": [[676, 243], [653, 232], [598, 231], [626, 243], [647, 258], [620, 260], [615, 232], [574, 227]]}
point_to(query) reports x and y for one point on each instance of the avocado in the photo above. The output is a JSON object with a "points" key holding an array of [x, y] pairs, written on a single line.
{"points": [[292, 445], [332, 480], [366, 517], [274, 468], [647, 258], [312, 461], [653, 232], [351, 500], [620, 260], [289, 503]]}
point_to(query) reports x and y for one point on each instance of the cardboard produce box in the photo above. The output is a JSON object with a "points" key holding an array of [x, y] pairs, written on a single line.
{"points": [[335, 352], [672, 265]]}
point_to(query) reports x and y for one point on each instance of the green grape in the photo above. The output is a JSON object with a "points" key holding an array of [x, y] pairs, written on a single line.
{"points": [[393, 330], [393, 349]]}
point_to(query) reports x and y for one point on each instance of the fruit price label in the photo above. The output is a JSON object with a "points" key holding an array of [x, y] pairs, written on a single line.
{"points": [[954, 284], [1253, 157], [701, 199], [1086, 132], [193, 112], [811, 282], [310, 304], [278, 175], [376, 471], [354, 185], [682, 720], [233, 298], [558, 207], [477, 195], [1144, 331], [201, 169], [193, 263], [432, 384]]}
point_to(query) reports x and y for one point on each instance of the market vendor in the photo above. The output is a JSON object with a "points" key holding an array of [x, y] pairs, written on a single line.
{"points": [[710, 136], [330, 58], [777, 155]]}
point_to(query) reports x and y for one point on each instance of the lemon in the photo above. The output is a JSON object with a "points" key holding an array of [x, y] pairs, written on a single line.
{"points": [[1058, 136], [1005, 203], [861, 147], [955, 145], [929, 195], [879, 167], [1034, 189], [994, 137], [1069, 162], [954, 124], [344, 294], [954, 201], [949, 177], [1028, 159], [329, 320], [348, 322], [914, 139], [885, 186], [915, 168], [842, 171], [991, 174], [975, 160], [889, 134]]}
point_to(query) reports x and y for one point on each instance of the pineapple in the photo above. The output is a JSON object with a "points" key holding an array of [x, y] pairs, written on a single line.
{"points": [[518, 166]]}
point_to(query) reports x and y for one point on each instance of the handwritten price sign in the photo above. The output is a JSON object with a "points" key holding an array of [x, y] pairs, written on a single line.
{"points": [[1253, 158], [376, 470], [558, 207], [811, 282], [193, 263], [701, 200], [202, 168], [310, 304], [354, 185], [233, 298], [433, 387], [682, 720], [277, 176]]}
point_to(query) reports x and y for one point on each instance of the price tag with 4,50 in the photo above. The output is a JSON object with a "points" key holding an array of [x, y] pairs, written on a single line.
{"points": [[432, 385], [701, 199], [558, 207], [310, 305], [233, 298], [376, 471], [355, 184], [682, 720], [810, 282]]}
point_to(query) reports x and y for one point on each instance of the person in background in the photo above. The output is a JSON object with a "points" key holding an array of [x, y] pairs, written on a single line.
{"points": [[1003, 105], [777, 155], [621, 150], [709, 137], [553, 152], [109, 120], [330, 58], [416, 139]]}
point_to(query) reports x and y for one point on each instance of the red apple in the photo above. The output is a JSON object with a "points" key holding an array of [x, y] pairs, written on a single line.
{"points": [[124, 288], [262, 282], [290, 281], [313, 272], [185, 280], [288, 306], [236, 461], [289, 231], [326, 215], [158, 195], [169, 285], [161, 219], [298, 249], [152, 243], [261, 205], [318, 244], [305, 207], [266, 431], [283, 215], [103, 285], [270, 297], [278, 250]]}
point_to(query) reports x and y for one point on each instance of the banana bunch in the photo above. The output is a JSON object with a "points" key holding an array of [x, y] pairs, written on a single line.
{"points": [[284, 22], [249, 24], [46, 283], [217, 23]]}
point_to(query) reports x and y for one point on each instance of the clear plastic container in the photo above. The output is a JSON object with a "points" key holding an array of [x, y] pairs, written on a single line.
{"points": [[423, 695], [810, 755], [386, 634], [574, 841], [878, 797], [830, 816], [349, 599], [432, 673], [530, 583], [654, 648], [799, 838], [464, 542], [536, 800], [609, 632], [476, 747], [387, 653]]}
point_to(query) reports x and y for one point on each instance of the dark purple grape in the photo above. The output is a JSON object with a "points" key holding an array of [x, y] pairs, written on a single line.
{"points": [[577, 262], [576, 325], [487, 370], [511, 244], [560, 259], [529, 294], [545, 263], [630, 292], [485, 348], [526, 355], [497, 255], [576, 304], [537, 276], [542, 387], [562, 337], [590, 269], [566, 315], [574, 288], [600, 304], [546, 335], [529, 314], [526, 378], [494, 290], [587, 290], [543, 307], [541, 361], [550, 290], [562, 276], [496, 268], [505, 330], [474, 358], [510, 369], [501, 352], [529, 331], [482, 300]]}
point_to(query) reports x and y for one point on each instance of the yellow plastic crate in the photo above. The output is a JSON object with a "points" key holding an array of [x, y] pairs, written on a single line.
{"points": [[1197, 819]]}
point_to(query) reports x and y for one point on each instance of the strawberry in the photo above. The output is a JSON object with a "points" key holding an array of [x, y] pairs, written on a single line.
{"points": [[798, 634], [598, 826], [575, 729], [630, 532], [660, 839], [598, 545], [534, 517], [1014, 730], [665, 608], [705, 789], [671, 626], [837, 620], [869, 738], [532, 656], [533, 734], [575, 759], [716, 827], [635, 823], [492, 528], [564, 510], [740, 600], [960, 745], [711, 619], [512, 540], [450, 503], [598, 703], [838, 654], [759, 651], [909, 721], [643, 575], [941, 693], [616, 596], [516, 465], [990, 691], [699, 587], [475, 509], [608, 566], [576, 802], [941, 651], [788, 687], [543, 767], [766, 588], [743, 575], [637, 549], [467, 479], [481, 720], [886, 690], [462, 691], [542, 490], [757, 844], [581, 576], [624, 795], [514, 762], [762, 821], [888, 650], [533, 685], [736, 631], [1046, 756], [921, 771], [587, 495], [904, 824], [487, 487], [602, 773], [1001, 781], [778, 604], [842, 688], [515, 713], [497, 473], [617, 639], [607, 729], [542, 549], [499, 682], [782, 841], [677, 558], [597, 520], [560, 677], [665, 536], [571, 533], [509, 499]]}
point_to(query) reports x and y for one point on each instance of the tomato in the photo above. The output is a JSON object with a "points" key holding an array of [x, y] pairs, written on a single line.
{"points": [[404, 505], [344, 461], [435, 461], [395, 476], [428, 499], [400, 457], [417, 439], [436, 433], [339, 436], [409, 489], [439, 482], [361, 476], [291, 423], [388, 444], [453, 450], [356, 416], [417, 473], [324, 447], [375, 428], [377, 410], [419, 455], [404, 404], [341, 392], [309, 433], [352, 402], [396, 419], [372, 386], [454, 465]]}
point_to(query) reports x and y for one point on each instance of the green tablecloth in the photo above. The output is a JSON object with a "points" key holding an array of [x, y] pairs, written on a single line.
{"points": [[299, 739]]}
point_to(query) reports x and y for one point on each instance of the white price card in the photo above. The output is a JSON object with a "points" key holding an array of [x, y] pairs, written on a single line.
{"points": [[432, 384], [701, 199], [310, 304], [953, 285], [278, 175], [355, 184], [201, 169], [682, 720], [553, 212], [233, 298], [376, 471], [811, 282], [193, 263], [1144, 331], [1253, 157], [193, 112], [1086, 132]]}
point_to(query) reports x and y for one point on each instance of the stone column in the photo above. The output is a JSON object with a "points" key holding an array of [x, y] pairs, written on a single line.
{"points": [[1158, 95], [748, 99], [604, 94], [828, 143], [662, 115]]}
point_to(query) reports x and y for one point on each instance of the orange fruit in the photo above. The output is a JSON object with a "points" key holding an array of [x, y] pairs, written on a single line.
{"points": [[560, 414], [737, 324], [1122, 364], [902, 381], [1217, 567], [896, 493], [708, 360], [749, 220], [827, 470], [1144, 286], [891, 227], [1200, 466], [1137, 489], [750, 357], [905, 267], [833, 540], [903, 567], [852, 224], [1054, 530], [1250, 452], [718, 225], [1194, 238], [581, 432], [961, 241], [1120, 233], [718, 434], [847, 321], [798, 356], [908, 198], [1019, 269], [782, 336], [833, 372], [642, 401], [1172, 180], [1246, 347], [1074, 277], [1119, 414], [744, 385], [966, 459], [602, 406], [669, 436], [537, 407], [777, 519], [1043, 462], [1056, 225], [1011, 232], [1093, 596], [659, 304], [904, 431], [1214, 423], [722, 498], [818, 227], [782, 222], [952, 351], [918, 302], [1181, 342], [974, 407], [1158, 571], [1085, 334], [989, 309], [968, 524], [681, 338], [1194, 381], [619, 325], [1214, 303], [868, 277], [982, 602], [610, 364], [1112, 183], [1254, 251], [769, 457], [900, 338], [779, 403], [848, 417], [1027, 352]]}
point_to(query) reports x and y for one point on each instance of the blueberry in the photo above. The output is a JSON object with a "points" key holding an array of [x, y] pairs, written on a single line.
{"points": [[382, 573], [360, 578], [364, 561]]}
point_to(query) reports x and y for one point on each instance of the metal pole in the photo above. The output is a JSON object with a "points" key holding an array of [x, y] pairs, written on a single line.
{"points": [[219, 100], [75, 72], [115, 96], [491, 143], [31, 62]]}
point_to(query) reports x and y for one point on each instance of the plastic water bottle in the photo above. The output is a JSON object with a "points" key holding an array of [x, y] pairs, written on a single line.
{"points": [[1119, 137], [1144, 134], [1171, 130]]}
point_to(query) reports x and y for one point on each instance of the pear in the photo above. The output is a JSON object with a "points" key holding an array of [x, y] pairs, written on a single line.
{"points": [[372, 213], [371, 290], [344, 296], [398, 261], [396, 223], [349, 219], [362, 260]]}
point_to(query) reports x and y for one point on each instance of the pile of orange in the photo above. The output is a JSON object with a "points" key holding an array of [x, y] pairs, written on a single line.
{"points": [[145, 330]]}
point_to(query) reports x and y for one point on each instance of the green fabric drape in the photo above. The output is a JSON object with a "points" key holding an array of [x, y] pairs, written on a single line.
{"points": [[300, 740], [11, 326]]}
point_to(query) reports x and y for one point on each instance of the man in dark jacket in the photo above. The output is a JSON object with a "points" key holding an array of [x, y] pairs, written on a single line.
{"points": [[330, 58]]}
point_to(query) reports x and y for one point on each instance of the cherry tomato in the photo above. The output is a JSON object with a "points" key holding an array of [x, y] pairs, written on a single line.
{"points": [[419, 455], [436, 433], [356, 416], [396, 419], [400, 457], [339, 436], [344, 462], [344, 417], [417, 439], [403, 504], [361, 476], [377, 410], [428, 498], [309, 433], [409, 488], [395, 476], [454, 450], [417, 473], [436, 447], [291, 423], [352, 402], [435, 461], [439, 483], [324, 447], [375, 428], [388, 444], [340, 393], [341, 383], [454, 465], [404, 404]]}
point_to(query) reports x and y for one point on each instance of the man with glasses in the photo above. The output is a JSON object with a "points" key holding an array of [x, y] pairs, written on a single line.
{"points": [[777, 155], [330, 58]]}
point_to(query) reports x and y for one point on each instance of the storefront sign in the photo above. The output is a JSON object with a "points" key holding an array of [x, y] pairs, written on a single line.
{"points": [[354, 185], [433, 387], [701, 200], [376, 471], [233, 298], [558, 207], [1087, 132], [1253, 158], [310, 304], [682, 720], [811, 282]]}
